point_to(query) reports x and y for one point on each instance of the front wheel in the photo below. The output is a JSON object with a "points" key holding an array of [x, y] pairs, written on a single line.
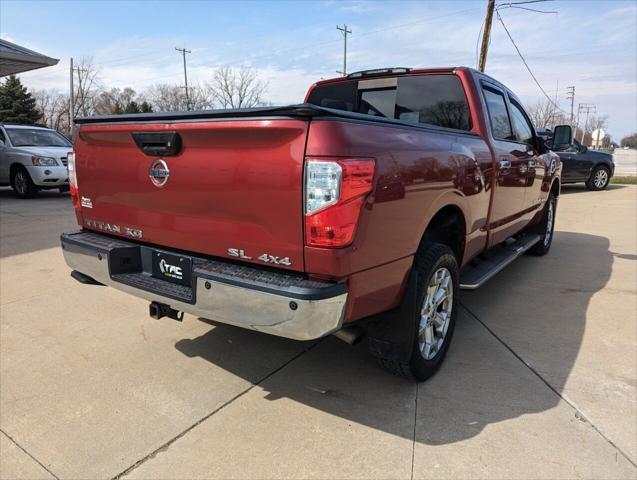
{"points": [[545, 228], [22, 184], [436, 283], [599, 179]]}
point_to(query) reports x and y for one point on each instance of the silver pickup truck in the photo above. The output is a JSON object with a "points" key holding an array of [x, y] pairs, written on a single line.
{"points": [[32, 159]]}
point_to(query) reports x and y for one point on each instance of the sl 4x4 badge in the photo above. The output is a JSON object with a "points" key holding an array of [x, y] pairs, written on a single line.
{"points": [[265, 258]]}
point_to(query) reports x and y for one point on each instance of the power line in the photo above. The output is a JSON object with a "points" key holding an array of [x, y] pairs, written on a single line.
{"points": [[531, 9], [526, 64], [478, 43], [525, 2]]}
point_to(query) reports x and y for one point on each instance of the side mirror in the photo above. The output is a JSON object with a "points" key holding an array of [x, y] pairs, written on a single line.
{"points": [[562, 137]]}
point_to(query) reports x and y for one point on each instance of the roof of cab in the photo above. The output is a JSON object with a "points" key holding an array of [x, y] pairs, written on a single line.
{"points": [[388, 72]]}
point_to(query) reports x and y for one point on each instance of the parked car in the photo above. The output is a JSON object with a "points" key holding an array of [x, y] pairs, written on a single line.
{"points": [[580, 164], [33, 158], [363, 210]]}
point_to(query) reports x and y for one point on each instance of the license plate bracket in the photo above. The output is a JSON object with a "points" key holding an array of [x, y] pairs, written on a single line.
{"points": [[172, 268]]}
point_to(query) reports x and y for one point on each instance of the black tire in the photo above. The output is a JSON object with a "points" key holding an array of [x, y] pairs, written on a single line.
{"points": [[22, 184], [599, 179], [546, 228], [431, 259]]}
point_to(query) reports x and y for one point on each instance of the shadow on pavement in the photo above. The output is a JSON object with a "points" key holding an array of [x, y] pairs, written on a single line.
{"points": [[28, 225], [540, 300]]}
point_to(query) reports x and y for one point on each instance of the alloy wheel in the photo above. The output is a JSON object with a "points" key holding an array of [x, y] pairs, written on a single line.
{"points": [[549, 224], [601, 178], [435, 313], [20, 183]]}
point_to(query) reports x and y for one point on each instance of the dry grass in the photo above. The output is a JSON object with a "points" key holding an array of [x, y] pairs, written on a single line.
{"points": [[624, 180]]}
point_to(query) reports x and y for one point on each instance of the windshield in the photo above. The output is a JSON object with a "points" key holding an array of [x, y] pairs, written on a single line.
{"points": [[34, 137]]}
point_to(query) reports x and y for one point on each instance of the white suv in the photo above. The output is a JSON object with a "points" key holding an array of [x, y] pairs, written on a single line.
{"points": [[33, 158]]}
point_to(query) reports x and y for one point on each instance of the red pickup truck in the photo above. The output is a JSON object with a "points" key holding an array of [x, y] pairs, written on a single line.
{"points": [[363, 210]]}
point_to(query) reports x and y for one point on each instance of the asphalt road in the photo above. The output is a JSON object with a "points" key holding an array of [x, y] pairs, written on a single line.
{"points": [[540, 381]]}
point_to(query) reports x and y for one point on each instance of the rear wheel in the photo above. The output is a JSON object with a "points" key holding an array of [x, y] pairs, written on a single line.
{"points": [[22, 184], [599, 179], [434, 313]]}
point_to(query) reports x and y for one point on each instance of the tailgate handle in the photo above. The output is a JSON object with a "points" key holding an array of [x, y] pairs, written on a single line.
{"points": [[158, 144]]}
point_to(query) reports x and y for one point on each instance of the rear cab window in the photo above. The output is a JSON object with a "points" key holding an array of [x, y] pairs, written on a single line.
{"points": [[430, 99]]}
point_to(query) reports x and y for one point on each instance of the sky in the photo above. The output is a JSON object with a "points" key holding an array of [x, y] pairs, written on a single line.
{"points": [[591, 45]]}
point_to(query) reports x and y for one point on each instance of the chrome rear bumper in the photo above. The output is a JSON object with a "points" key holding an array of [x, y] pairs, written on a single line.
{"points": [[279, 303]]}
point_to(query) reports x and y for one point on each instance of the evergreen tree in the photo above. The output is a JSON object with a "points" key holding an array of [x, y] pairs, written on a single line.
{"points": [[146, 107], [132, 107], [16, 104]]}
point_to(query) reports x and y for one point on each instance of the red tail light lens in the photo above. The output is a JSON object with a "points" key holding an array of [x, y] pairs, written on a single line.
{"points": [[335, 191], [75, 193]]}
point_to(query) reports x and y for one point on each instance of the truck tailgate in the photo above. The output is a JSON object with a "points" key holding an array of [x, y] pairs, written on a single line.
{"points": [[235, 184]]}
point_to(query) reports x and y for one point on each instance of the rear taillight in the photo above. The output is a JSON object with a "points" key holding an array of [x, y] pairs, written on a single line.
{"points": [[335, 191], [75, 194]]}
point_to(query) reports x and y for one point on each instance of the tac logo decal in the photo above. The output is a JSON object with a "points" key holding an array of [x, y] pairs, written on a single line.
{"points": [[170, 270]]}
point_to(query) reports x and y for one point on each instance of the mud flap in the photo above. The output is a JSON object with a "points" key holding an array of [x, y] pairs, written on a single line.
{"points": [[391, 334]]}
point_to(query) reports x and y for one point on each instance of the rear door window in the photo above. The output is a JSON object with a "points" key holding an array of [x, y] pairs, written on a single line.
{"points": [[498, 114]]}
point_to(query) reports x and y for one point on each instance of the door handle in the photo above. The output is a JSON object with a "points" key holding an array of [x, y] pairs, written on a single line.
{"points": [[505, 164]]}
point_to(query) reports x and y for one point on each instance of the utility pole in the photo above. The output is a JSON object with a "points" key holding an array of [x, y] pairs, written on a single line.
{"points": [[345, 32], [71, 103], [570, 95], [555, 106], [72, 94], [587, 108], [486, 35], [183, 53]]}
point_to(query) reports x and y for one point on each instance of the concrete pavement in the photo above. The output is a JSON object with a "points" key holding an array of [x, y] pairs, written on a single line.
{"points": [[625, 162], [540, 381]]}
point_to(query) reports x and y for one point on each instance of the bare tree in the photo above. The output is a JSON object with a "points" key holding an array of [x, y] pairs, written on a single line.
{"points": [[172, 98], [166, 98], [240, 88], [541, 114], [630, 141], [595, 122], [113, 101], [86, 87], [55, 109]]}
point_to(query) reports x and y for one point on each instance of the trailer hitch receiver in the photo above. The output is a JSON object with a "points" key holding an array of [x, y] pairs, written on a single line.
{"points": [[158, 310]]}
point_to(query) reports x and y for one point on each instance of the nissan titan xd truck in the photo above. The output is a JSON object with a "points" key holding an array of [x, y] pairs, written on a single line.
{"points": [[361, 212]]}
